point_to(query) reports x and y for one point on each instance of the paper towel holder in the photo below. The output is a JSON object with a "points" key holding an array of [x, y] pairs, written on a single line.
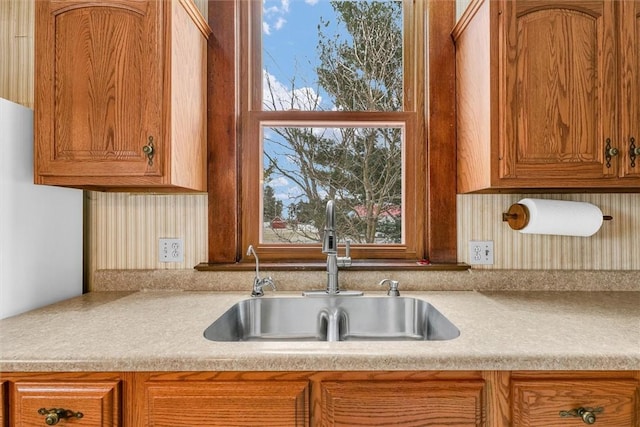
{"points": [[518, 216]]}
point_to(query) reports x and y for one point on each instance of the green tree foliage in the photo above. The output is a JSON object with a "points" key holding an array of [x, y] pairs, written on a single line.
{"points": [[363, 71], [272, 206]]}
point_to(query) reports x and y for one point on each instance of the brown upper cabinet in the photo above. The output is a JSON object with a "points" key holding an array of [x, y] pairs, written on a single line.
{"points": [[548, 95], [120, 95]]}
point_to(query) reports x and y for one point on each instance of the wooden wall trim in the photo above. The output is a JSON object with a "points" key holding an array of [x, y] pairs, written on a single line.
{"points": [[222, 159], [441, 136]]}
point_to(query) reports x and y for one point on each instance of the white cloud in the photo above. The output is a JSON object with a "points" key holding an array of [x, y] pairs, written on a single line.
{"points": [[280, 23], [279, 182], [271, 10], [311, 2], [274, 16], [276, 7], [279, 97]]}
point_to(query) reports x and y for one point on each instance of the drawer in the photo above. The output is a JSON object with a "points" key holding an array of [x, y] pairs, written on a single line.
{"points": [[227, 403], [402, 403], [539, 403], [97, 402]]}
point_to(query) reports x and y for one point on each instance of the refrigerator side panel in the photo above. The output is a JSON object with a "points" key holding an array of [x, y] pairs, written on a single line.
{"points": [[40, 226]]}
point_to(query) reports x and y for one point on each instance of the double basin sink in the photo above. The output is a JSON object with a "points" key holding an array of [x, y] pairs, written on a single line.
{"points": [[332, 318]]}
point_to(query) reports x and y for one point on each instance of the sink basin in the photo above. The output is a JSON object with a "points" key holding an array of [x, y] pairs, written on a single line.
{"points": [[332, 318]]}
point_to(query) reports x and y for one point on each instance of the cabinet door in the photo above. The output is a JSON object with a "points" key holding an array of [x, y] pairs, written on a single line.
{"points": [[630, 88], [98, 402], [227, 403], [406, 403], [560, 76], [539, 403], [2, 415], [98, 88]]}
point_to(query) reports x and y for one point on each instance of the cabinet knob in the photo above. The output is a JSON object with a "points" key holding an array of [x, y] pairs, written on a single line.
{"points": [[149, 151], [610, 152], [53, 415], [588, 415]]}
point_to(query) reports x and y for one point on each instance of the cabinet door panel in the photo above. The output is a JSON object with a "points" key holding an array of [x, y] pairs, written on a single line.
{"points": [[406, 403], [560, 86], [97, 401], [103, 99], [2, 397], [537, 403], [630, 89], [228, 403]]}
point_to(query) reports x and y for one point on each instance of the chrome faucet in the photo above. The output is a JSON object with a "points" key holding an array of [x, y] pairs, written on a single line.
{"points": [[259, 282], [330, 247]]}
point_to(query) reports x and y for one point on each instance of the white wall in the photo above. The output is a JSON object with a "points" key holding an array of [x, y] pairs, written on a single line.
{"points": [[40, 226]]}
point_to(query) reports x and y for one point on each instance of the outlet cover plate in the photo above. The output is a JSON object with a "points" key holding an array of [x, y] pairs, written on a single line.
{"points": [[481, 252], [171, 250]]}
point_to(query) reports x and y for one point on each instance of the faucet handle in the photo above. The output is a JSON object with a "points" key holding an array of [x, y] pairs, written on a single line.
{"points": [[345, 261], [268, 281], [393, 287], [260, 283]]}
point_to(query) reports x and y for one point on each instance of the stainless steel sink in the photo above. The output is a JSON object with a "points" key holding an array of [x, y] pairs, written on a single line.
{"points": [[332, 318]]}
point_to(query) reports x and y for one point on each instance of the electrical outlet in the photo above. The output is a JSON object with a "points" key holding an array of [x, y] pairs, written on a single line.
{"points": [[171, 250], [481, 252]]}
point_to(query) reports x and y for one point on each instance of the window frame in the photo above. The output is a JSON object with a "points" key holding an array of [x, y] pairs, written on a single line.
{"points": [[229, 215]]}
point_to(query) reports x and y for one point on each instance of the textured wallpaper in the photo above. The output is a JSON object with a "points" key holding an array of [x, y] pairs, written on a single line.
{"points": [[125, 228], [616, 246], [16, 44]]}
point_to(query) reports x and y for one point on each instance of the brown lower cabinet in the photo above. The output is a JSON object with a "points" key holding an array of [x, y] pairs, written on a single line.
{"points": [[406, 403], [227, 403], [3, 417], [85, 403], [599, 401], [359, 398], [64, 399]]}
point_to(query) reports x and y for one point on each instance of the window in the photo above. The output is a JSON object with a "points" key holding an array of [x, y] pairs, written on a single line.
{"points": [[260, 136]]}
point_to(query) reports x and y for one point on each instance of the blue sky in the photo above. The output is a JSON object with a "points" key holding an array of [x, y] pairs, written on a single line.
{"points": [[289, 37], [289, 33]]}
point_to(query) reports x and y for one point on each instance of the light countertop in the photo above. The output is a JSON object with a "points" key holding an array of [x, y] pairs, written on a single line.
{"points": [[163, 331]]}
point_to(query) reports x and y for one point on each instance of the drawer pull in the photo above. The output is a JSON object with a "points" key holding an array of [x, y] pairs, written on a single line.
{"points": [[588, 415], [53, 415]]}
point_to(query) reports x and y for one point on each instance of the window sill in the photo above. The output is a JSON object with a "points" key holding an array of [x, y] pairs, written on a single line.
{"points": [[357, 265]]}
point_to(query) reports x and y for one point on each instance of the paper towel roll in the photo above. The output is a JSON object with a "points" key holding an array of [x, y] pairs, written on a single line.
{"points": [[563, 218]]}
